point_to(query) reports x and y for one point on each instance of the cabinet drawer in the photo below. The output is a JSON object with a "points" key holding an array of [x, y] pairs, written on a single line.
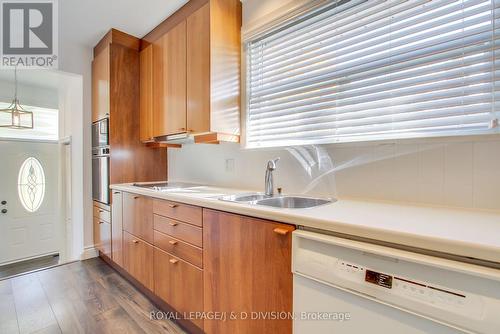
{"points": [[179, 230], [178, 211], [102, 214], [102, 236], [185, 251], [138, 259], [138, 216], [178, 283]]}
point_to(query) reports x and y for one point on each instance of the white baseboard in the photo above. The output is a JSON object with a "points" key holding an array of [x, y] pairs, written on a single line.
{"points": [[89, 252]]}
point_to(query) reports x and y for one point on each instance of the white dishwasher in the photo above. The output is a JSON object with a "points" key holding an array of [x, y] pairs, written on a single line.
{"points": [[346, 286]]}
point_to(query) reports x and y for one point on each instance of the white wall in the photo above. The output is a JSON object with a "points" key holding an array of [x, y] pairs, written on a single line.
{"points": [[75, 184], [459, 172], [77, 58], [456, 173], [30, 95]]}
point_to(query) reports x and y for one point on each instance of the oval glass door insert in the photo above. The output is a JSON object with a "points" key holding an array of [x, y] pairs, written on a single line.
{"points": [[31, 184]]}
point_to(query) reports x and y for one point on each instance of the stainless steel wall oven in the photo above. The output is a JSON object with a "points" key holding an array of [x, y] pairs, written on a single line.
{"points": [[100, 161]]}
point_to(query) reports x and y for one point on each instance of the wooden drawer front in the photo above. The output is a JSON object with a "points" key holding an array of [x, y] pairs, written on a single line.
{"points": [[185, 251], [102, 236], [138, 216], [138, 259], [183, 212], [102, 214], [179, 230], [178, 283], [106, 207], [97, 234]]}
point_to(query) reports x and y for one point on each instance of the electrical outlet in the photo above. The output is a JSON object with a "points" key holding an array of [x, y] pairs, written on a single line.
{"points": [[229, 165]]}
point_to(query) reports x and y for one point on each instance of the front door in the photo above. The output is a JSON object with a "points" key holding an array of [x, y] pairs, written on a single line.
{"points": [[29, 200]]}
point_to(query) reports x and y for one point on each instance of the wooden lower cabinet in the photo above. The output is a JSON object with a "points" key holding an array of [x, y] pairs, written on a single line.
{"points": [[138, 259], [226, 263], [138, 216], [102, 236], [179, 284], [247, 268], [117, 228]]}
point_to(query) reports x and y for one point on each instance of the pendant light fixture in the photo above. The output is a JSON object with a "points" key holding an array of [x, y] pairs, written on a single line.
{"points": [[15, 117]]}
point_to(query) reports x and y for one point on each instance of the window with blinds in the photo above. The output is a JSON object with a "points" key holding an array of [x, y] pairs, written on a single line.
{"points": [[372, 70]]}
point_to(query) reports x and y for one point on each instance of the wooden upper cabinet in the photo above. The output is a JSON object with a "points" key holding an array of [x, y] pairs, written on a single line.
{"points": [[198, 70], [175, 79], [246, 268], [169, 116], [225, 60], [146, 94], [116, 94], [100, 85], [213, 71]]}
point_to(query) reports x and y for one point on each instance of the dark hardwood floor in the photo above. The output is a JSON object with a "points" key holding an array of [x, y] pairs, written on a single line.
{"points": [[80, 297]]}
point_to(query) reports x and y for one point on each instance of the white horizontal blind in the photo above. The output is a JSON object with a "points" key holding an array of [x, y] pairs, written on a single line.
{"points": [[370, 70]]}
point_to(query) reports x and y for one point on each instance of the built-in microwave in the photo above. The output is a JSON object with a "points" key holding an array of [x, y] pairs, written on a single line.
{"points": [[100, 131]]}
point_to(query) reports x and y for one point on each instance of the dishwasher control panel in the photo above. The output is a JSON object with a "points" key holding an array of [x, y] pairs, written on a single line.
{"points": [[408, 288]]}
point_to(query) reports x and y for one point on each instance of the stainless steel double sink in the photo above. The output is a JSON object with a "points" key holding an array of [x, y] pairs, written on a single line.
{"points": [[289, 202]]}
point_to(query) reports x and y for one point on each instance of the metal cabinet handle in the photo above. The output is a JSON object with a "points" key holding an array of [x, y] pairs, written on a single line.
{"points": [[280, 230], [172, 242], [101, 223], [136, 197], [173, 206], [173, 261], [101, 210], [116, 192], [4, 210], [173, 224], [135, 241]]}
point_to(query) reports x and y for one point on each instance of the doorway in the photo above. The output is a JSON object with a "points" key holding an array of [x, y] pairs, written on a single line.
{"points": [[42, 192], [31, 214]]}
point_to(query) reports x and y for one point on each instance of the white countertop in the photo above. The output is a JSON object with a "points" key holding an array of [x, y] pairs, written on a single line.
{"points": [[461, 232]]}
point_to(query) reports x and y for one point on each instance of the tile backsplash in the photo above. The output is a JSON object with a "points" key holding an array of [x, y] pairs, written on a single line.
{"points": [[442, 172]]}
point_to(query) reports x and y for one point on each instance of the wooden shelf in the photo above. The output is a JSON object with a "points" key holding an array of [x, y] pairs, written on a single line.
{"points": [[215, 138], [162, 145]]}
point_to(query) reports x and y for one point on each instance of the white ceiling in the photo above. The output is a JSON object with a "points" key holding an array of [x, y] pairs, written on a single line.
{"points": [[86, 21]]}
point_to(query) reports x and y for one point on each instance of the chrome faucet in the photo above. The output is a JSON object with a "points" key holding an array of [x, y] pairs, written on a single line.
{"points": [[269, 186]]}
